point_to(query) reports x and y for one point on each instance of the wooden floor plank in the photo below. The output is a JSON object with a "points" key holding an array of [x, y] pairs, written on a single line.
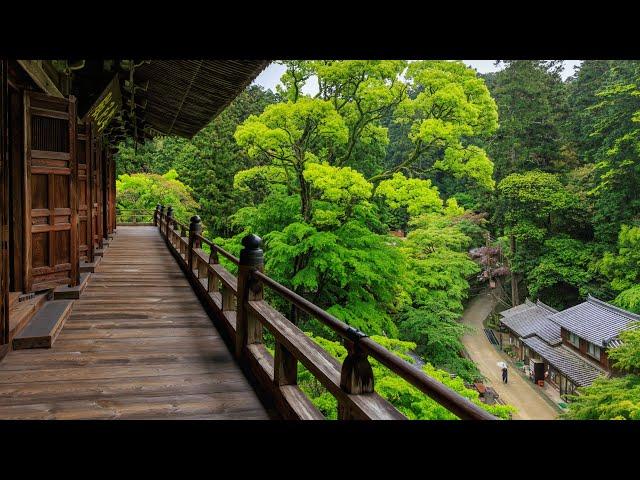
{"points": [[137, 344]]}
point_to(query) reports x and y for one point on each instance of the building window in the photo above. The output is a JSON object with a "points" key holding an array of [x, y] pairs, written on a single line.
{"points": [[574, 339], [593, 350]]}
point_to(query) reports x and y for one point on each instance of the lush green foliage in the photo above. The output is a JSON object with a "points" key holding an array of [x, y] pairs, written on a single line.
{"points": [[143, 191]]}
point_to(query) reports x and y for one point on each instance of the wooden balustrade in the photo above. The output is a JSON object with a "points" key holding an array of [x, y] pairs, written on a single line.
{"points": [[237, 306], [134, 217]]}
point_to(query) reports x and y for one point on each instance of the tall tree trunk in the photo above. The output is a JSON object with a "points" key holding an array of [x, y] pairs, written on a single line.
{"points": [[515, 295]]}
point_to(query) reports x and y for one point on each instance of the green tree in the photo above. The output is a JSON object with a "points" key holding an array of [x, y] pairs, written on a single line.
{"points": [[531, 101], [143, 191]]}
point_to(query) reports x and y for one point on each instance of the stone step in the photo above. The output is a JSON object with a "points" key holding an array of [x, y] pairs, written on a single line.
{"points": [[44, 327], [90, 266], [22, 312], [73, 293]]}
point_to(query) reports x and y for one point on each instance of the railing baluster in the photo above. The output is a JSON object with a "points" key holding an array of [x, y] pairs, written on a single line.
{"points": [[212, 278], [248, 328], [285, 366]]}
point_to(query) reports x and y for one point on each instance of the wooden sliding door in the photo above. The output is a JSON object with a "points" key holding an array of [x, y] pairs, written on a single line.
{"points": [[51, 238], [83, 155], [96, 189]]}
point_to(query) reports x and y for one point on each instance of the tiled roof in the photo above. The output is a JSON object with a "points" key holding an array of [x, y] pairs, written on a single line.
{"points": [[578, 370], [518, 308], [532, 319], [595, 321]]}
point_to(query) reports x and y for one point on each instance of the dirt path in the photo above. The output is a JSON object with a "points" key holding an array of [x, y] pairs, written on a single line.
{"points": [[518, 392]]}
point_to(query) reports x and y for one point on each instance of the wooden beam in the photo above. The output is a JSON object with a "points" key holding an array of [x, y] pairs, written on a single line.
{"points": [[40, 77]]}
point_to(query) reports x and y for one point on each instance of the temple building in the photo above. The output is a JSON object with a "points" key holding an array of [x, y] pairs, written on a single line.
{"points": [[571, 343]]}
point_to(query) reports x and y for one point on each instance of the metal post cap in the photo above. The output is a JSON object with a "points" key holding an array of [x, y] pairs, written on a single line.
{"points": [[162, 208], [195, 219], [251, 242]]}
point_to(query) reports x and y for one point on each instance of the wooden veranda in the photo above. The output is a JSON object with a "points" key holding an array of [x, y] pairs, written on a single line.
{"points": [[137, 345]]}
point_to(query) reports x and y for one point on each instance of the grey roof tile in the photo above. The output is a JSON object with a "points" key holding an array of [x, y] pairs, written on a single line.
{"points": [[532, 319], [578, 370], [595, 321]]}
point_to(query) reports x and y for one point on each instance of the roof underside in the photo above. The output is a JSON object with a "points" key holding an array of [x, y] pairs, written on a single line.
{"points": [[184, 95]]}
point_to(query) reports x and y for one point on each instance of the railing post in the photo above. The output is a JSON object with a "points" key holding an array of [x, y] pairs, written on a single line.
{"points": [[195, 227], [356, 376], [248, 328], [169, 220], [160, 213], [155, 215]]}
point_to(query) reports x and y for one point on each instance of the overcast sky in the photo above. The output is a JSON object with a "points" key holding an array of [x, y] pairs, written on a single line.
{"points": [[270, 77]]}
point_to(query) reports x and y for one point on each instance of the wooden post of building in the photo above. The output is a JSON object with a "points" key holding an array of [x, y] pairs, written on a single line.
{"points": [[248, 328], [167, 228], [155, 215], [515, 295], [195, 228], [356, 376]]}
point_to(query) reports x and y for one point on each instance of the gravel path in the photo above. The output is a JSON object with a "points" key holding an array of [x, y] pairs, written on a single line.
{"points": [[518, 392]]}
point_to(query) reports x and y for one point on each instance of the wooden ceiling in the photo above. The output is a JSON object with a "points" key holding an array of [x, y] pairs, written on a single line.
{"points": [[184, 95], [168, 97]]}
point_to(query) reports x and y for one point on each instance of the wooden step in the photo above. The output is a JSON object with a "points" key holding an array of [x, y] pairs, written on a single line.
{"points": [[13, 298], [22, 312], [45, 325], [73, 293], [90, 266]]}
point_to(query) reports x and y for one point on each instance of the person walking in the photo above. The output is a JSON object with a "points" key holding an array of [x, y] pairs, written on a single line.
{"points": [[504, 374]]}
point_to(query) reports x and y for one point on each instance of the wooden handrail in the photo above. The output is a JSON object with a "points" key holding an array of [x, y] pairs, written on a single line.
{"points": [[219, 249], [448, 398], [237, 305]]}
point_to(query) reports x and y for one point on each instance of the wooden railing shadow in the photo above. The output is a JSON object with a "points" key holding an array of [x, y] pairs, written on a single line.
{"points": [[238, 308]]}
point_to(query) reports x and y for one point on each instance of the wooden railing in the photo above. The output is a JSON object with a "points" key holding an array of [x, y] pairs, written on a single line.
{"points": [[134, 217], [239, 310]]}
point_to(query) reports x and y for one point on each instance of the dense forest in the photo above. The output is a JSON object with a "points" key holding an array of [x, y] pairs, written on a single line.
{"points": [[542, 173]]}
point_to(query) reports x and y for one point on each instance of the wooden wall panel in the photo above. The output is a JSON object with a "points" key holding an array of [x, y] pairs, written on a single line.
{"points": [[51, 210]]}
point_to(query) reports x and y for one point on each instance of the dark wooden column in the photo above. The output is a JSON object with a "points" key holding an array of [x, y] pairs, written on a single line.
{"points": [[4, 213], [168, 226], [248, 328], [356, 376], [195, 227]]}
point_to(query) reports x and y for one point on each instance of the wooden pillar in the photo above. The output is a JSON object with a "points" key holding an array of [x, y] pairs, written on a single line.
{"points": [[4, 211], [356, 376], [248, 328]]}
